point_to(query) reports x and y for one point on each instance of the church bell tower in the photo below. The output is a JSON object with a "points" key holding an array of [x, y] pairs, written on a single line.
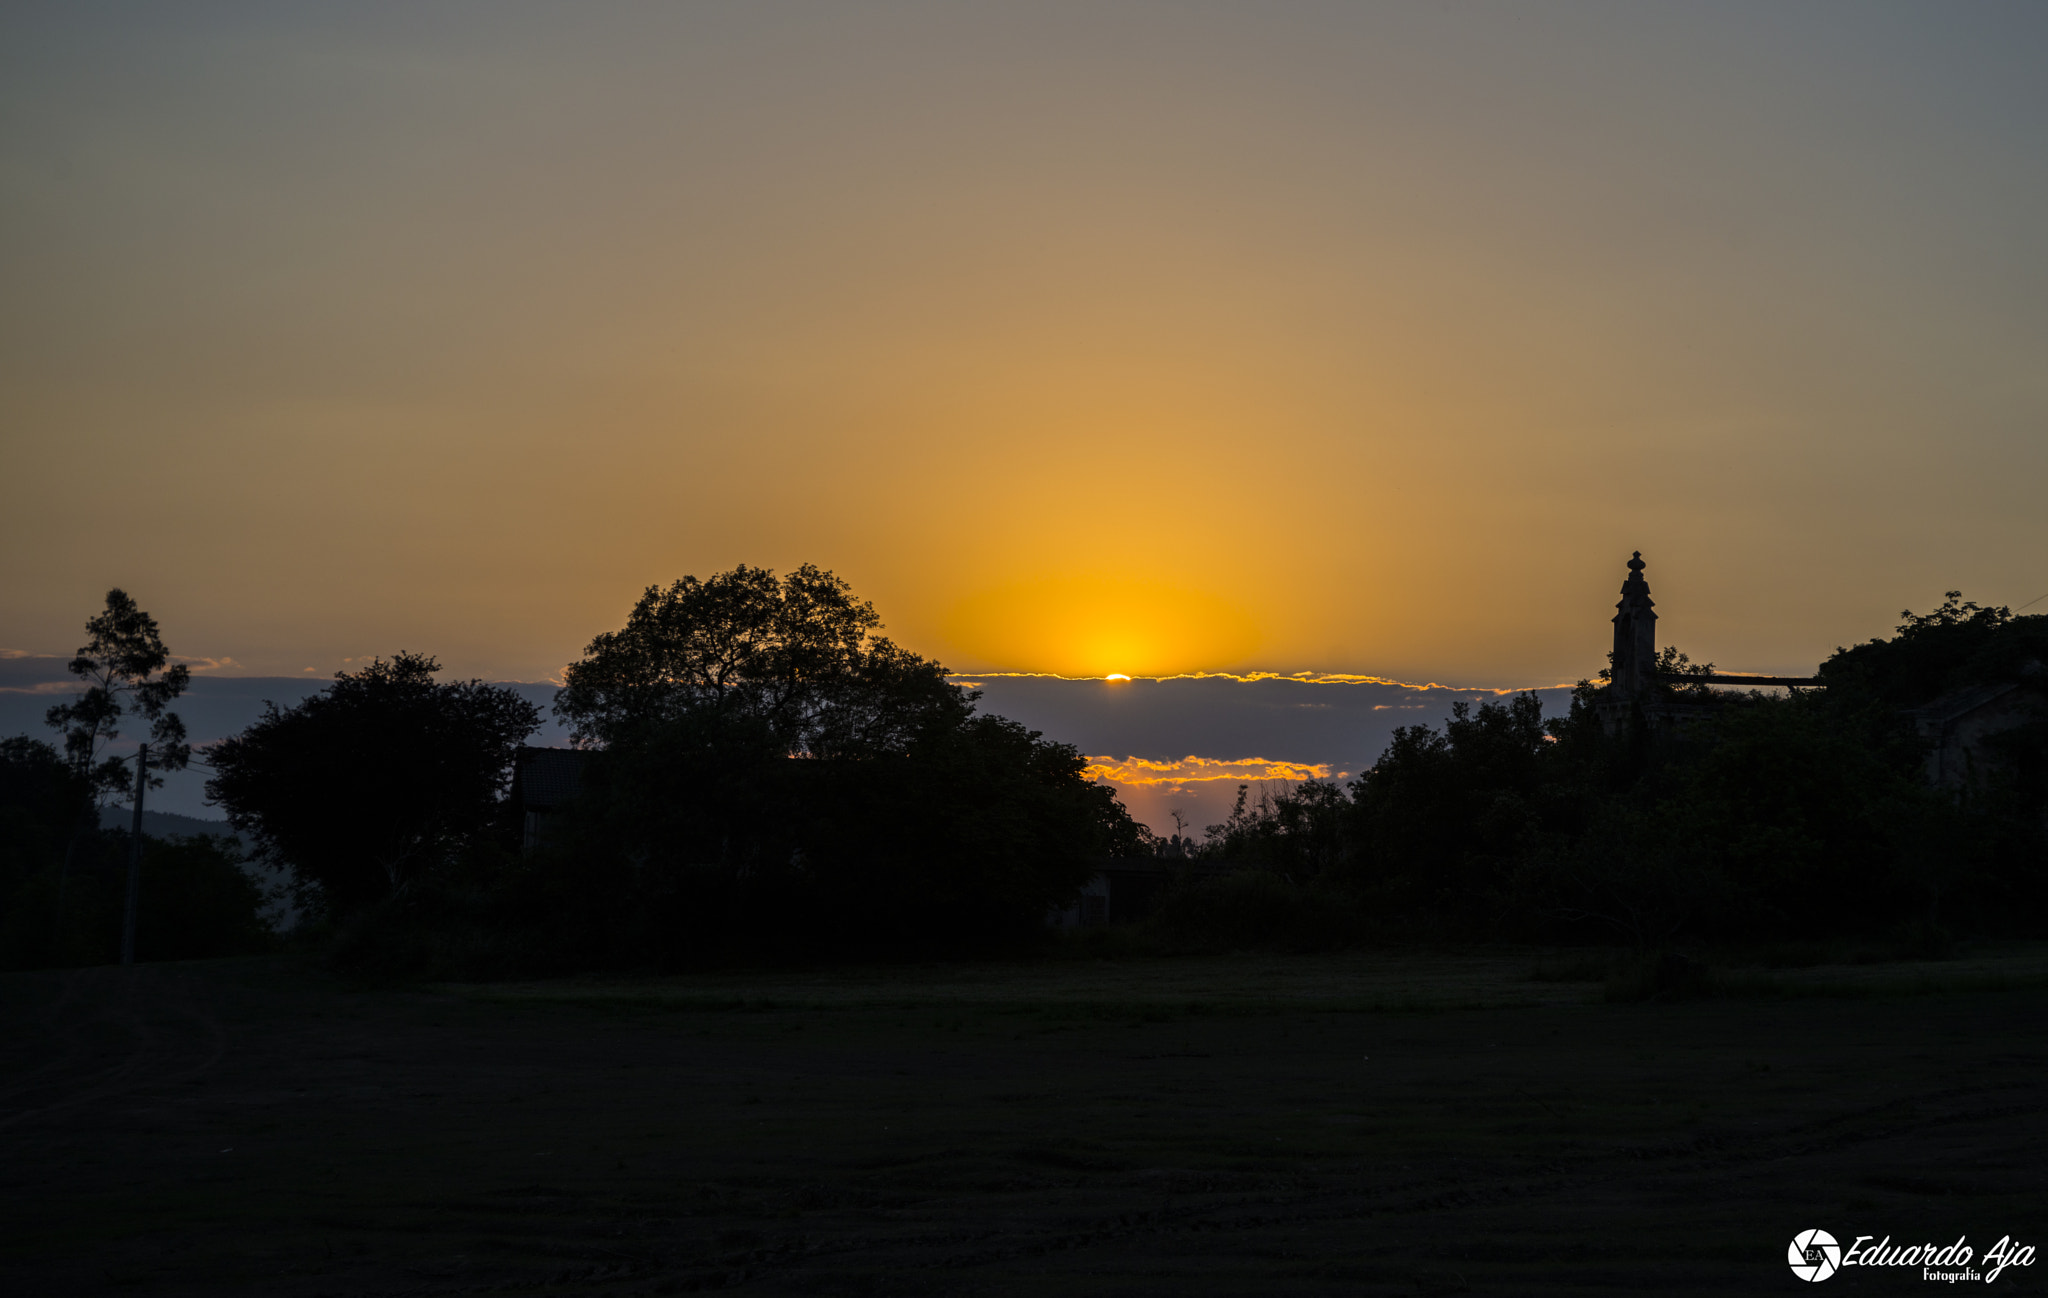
{"points": [[1632, 691], [1635, 637]]}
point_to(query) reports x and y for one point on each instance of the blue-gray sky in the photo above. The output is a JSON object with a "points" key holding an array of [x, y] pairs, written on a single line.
{"points": [[1182, 743]]}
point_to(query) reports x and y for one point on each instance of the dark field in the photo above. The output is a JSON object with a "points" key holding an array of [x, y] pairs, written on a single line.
{"points": [[1422, 1123]]}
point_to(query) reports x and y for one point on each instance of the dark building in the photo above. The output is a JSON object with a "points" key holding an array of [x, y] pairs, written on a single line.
{"points": [[1956, 726], [543, 782]]}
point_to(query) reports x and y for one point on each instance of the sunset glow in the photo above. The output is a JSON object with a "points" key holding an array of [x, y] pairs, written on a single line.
{"points": [[1087, 625], [1368, 339]]}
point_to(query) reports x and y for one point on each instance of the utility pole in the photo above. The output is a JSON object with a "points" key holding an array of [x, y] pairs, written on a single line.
{"points": [[135, 858]]}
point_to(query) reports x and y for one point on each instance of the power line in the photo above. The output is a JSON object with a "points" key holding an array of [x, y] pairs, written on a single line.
{"points": [[2030, 603]]}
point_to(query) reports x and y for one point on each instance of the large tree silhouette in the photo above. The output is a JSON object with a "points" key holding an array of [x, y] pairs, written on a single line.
{"points": [[775, 776], [799, 656], [363, 787]]}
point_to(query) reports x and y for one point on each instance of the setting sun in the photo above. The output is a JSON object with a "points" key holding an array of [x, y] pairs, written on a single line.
{"points": [[1087, 626]]}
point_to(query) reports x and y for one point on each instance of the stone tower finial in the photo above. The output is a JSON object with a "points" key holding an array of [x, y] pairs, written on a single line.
{"points": [[1635, 635]]}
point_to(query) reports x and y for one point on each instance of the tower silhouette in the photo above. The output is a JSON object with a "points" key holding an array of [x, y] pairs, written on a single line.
{"points": [[1634, 668]]}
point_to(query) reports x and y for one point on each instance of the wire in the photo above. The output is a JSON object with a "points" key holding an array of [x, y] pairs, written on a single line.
{"points": [[2030, 603]]}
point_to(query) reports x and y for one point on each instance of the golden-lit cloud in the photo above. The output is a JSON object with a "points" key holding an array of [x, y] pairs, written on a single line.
{"points": [[1142, 771], [224, 665], [1199, 790]]}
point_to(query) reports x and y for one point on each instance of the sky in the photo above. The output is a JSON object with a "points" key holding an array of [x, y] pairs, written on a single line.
{"points": [[1082, 339]]}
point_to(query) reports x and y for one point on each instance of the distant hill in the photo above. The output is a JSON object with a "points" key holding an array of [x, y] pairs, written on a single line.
{"points": [[163, 824]]}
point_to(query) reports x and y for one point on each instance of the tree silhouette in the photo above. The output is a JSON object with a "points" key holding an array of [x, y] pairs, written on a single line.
{"points": [[363, 787], [126, 669], [800, 656], [774, 776]]}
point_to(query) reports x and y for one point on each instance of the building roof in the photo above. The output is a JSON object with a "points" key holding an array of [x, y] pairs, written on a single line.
{"points": [[1960, 703], [545, 778]]}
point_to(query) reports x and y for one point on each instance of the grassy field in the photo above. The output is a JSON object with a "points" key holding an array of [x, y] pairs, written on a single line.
{"points": [[1396, 1122]]}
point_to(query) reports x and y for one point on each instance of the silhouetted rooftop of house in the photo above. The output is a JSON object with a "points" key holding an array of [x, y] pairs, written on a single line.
{"points": [[545, 778], [1962, 702]]}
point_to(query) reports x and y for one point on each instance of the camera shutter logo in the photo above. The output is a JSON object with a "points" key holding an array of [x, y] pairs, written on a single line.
{"points": [[1814, 1255]]}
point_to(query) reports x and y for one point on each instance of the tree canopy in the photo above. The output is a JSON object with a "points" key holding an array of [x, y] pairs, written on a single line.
{"points": [[1958, 644], [1757, 818], [363, 787], [774, 776], [800, 655], [126, 668]]}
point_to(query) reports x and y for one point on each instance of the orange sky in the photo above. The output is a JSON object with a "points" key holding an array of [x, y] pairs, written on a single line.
{"points": [[1140, 339]]}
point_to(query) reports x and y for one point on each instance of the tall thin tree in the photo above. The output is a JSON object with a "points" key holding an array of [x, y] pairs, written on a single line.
{"points": [[126, 670]]}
